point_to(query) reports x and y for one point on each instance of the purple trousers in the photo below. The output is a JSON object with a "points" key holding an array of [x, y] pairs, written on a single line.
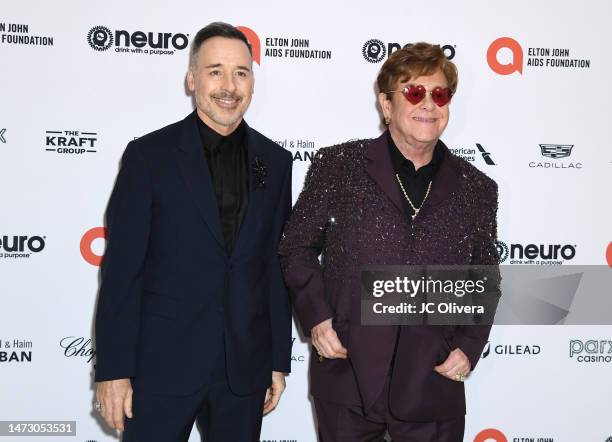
{"points": [[345, 423]]}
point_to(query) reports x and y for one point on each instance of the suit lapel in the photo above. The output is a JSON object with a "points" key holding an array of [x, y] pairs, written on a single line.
{"points": [[256, 192], [194, 170], [379, 167]]}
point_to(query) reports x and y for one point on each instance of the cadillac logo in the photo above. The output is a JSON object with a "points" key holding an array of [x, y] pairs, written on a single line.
{"points": [[556, 150]]}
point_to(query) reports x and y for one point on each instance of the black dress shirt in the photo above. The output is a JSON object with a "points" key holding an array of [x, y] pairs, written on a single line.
{"points": [[227, 159], [415, 182]]}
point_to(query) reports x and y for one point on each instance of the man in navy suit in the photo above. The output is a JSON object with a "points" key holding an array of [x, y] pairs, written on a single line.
{"points": [[193, 320]]}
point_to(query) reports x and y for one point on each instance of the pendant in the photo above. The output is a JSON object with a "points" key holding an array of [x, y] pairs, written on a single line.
{"points": [[416, 212]]}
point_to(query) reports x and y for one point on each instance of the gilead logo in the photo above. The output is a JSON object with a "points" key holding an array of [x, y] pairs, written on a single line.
{"points": [[516, 65], [490, 435], [86, 242], [253, 39]]}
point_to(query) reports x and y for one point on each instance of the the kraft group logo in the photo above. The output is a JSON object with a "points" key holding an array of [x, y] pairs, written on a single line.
{"points": [[86, 245], [537, 57], [70, 141], [490, 435]]}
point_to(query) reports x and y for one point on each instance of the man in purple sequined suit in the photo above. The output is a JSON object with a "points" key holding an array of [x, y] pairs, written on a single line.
{"points": [[402, 198]]}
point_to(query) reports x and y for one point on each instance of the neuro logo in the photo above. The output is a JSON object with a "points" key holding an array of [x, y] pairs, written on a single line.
{"points": [[254, 41], [86, 242], [374, 50], [489, 435], [515, 65], [100, 38], [502, 251], [556, 150]]}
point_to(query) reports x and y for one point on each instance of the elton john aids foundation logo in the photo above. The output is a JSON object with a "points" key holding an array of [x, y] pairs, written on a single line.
{"points": [[86, 245], [490, 435], [284, 47], [513, 57], [516, 62], [253, 39]]}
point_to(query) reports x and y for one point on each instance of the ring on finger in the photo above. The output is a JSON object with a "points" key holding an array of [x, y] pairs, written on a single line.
{"points": [[460, 377]]}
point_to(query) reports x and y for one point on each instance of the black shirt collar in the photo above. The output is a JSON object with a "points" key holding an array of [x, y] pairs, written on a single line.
{"points": [[211, 139], [404, 166]]}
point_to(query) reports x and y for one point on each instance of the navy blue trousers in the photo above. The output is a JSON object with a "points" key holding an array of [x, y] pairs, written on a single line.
{"points": [[221, 415]]}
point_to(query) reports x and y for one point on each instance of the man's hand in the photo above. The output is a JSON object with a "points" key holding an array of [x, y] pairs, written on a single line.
{"points": [[455, 365], [273, 394], [326, 341], [116, 399]]}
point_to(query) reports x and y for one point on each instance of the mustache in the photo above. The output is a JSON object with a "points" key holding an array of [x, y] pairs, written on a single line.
{"points": [[226, 95]]}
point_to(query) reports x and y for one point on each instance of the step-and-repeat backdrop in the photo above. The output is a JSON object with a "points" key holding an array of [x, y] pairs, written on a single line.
{"points": [[79, 80]]}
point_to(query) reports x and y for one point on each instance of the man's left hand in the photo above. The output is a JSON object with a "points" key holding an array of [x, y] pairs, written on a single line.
{"points": [[456, 366], [273, 394]]}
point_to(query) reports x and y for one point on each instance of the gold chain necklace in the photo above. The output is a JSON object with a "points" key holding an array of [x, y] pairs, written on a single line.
{"points": [[414, 208]]}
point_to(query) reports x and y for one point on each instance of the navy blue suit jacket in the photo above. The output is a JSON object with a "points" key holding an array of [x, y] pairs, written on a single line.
{"points": [[170, 293]]}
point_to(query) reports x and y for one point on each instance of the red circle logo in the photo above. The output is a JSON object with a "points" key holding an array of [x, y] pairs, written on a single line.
{"points": [[490, 435], [609, 254], [90, 236], [516, 65]]}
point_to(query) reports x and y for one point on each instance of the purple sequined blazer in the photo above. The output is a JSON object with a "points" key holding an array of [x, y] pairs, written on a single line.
{"points": [[350, 214]]}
